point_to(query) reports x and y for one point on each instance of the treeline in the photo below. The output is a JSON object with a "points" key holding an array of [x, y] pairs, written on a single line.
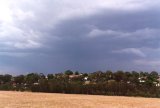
{"points": [[118, 83]]}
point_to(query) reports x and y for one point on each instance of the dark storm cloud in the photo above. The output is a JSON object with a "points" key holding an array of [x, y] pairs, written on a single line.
{"points": [[131, 35], [53, 39]]}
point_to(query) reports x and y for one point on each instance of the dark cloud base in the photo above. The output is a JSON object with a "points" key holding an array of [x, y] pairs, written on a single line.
{"points": [[75, 50]]}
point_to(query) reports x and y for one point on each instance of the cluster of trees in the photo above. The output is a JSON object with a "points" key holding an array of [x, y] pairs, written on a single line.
{"points": [[118, 83]]}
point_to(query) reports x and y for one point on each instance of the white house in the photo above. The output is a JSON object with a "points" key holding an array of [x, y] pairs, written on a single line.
{"points": [[141, 79]]}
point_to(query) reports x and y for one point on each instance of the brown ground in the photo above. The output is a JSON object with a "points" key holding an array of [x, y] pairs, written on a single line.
{"points": [[46, 100]]}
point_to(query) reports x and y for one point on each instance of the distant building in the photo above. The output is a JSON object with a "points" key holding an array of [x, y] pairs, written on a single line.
{"points": [[142, 79], [158, 83], [35, 83], [73, 76], [86, 82], [86, 78], [158, 78]]}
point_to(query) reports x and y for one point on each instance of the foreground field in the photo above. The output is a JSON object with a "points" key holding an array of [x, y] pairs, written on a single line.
{"points": [[46, 100]]}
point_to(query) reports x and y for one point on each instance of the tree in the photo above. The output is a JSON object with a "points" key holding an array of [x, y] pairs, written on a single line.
{"points": [[134, 77], [154, 74], [68, 72], [50, 76], [119, 76], [109, 75], [42, 76], [100, 83], [7, 78], [32, 78], [128, 76], [43, 85], [85, 74], [19, 79], [76, 73]]}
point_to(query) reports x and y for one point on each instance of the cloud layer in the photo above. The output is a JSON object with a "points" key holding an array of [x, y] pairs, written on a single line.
{"points": [[52, 36]]}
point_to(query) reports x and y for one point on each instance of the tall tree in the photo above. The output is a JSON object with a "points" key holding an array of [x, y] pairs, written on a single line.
{"points": [[68, 72]]}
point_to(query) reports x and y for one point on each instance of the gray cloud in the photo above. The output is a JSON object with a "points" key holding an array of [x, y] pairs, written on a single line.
{"points": [[52, 36], [135, 51]]}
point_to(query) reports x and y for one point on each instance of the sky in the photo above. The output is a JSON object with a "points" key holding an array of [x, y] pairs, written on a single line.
{"points": [[52, 36]]}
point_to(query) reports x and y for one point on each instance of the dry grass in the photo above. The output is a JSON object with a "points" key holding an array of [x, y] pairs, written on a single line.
{"points": [[46, 100]]}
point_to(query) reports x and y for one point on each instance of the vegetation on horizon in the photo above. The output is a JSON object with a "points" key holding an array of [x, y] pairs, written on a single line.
{"points": [[118, 83]]}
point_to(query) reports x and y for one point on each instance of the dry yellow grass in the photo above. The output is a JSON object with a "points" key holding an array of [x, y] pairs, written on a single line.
{"points": [[47, 100]]}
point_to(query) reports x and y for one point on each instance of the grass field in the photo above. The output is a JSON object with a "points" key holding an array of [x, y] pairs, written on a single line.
{"points": [[46, 100]]}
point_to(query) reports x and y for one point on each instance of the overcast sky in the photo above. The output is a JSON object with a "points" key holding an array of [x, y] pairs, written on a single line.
{"points": [[86, 35]]}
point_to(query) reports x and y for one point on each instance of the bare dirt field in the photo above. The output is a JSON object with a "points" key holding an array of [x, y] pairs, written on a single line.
{"points": [[47, 100]]}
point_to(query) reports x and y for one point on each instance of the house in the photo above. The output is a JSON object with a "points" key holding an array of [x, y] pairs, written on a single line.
{"points": [[158, 83], [73, 76], [142, 79], [36, 83], [87, 82], [14, 84], [86, 78], [128, 82]]}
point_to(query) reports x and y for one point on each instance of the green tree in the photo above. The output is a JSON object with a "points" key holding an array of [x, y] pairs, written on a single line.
{"points": [[7, 78], [50, 76], [42, 76], [19, 79], [76, 73], [68, 72], [119, 76], [154, 74], [32, 78], [109, 75]]}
